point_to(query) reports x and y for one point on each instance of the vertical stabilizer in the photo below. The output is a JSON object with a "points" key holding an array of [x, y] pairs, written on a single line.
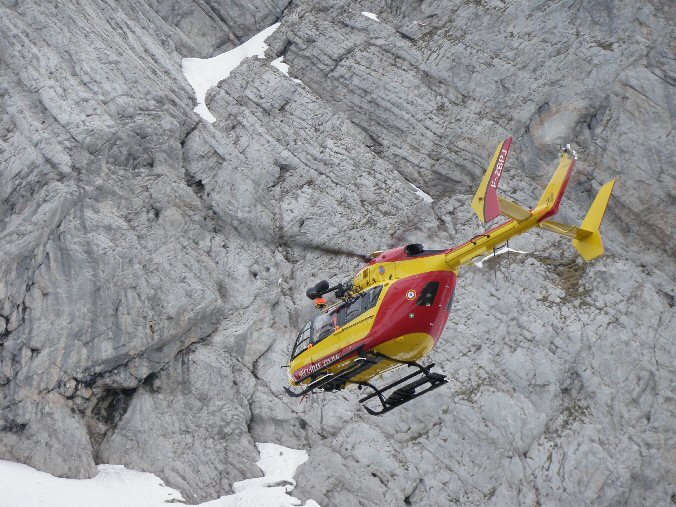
{"points": [[549, 203], [591, 246], [485, 202]]}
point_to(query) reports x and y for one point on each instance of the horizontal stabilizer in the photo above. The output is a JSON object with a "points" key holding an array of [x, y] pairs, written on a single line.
{"points": [[512, 210], [564, 229], [485, 202]]}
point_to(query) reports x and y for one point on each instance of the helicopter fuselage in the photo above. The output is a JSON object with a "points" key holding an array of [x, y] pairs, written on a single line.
{"points": [[405, 322], [395, 309]]}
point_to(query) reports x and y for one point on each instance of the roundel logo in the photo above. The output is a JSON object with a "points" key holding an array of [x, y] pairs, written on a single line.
{"points": [[410, 294]]}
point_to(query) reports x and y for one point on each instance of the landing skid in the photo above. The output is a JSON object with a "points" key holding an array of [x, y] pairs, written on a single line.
{"points": [[421, 382], [423, 378]]}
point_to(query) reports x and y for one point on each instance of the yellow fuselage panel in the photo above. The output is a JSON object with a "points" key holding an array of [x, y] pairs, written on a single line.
{"points": [[410, 347]]}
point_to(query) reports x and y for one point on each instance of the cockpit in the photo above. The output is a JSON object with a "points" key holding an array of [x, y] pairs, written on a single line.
{"points": [[325, 324]]}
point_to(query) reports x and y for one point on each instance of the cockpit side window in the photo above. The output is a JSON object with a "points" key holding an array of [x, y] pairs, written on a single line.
{"points": [[325, 324], [372, 297], [303, 339], [361, 304], [353, 309]]}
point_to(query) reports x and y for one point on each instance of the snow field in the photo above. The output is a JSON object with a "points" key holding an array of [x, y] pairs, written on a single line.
{"points": [[116, 486], [205, 73]]}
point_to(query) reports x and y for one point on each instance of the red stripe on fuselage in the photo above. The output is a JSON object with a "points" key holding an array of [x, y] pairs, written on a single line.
{"points": [[310, 368]]}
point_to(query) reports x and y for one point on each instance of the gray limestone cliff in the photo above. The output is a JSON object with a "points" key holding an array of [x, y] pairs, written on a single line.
{"points": [[153, 265]]}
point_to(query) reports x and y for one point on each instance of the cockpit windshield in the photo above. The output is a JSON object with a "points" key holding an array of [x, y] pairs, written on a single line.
{"points": [[325, 324]]}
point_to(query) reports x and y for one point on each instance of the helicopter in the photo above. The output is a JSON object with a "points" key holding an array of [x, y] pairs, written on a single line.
{"points": [[394, 310]]}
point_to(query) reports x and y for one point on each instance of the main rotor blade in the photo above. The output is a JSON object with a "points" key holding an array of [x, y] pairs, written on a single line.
{"points": [[246, 229], [327, 249]]}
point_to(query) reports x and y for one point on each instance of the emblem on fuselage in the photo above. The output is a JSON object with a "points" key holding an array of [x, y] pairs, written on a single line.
{"points": [[410, 294]]}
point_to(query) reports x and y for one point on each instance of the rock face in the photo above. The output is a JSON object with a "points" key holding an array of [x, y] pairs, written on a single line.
{"points": [[153, 265]]}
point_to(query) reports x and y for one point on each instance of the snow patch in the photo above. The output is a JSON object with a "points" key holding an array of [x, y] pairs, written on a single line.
{"points": [[113, 486], [371, 15], [116, 486], [279, 64], [284, 68], [497, 252], [425, 197], [278, 464], [205, 73]]}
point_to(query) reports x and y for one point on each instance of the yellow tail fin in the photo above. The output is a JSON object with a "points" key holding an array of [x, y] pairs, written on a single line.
{"points": [[591, 246], [485, 202], [587, 238], [548, 205]]}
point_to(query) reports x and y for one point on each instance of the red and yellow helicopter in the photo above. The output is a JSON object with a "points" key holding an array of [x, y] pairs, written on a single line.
{"points": [[394, 310]]}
